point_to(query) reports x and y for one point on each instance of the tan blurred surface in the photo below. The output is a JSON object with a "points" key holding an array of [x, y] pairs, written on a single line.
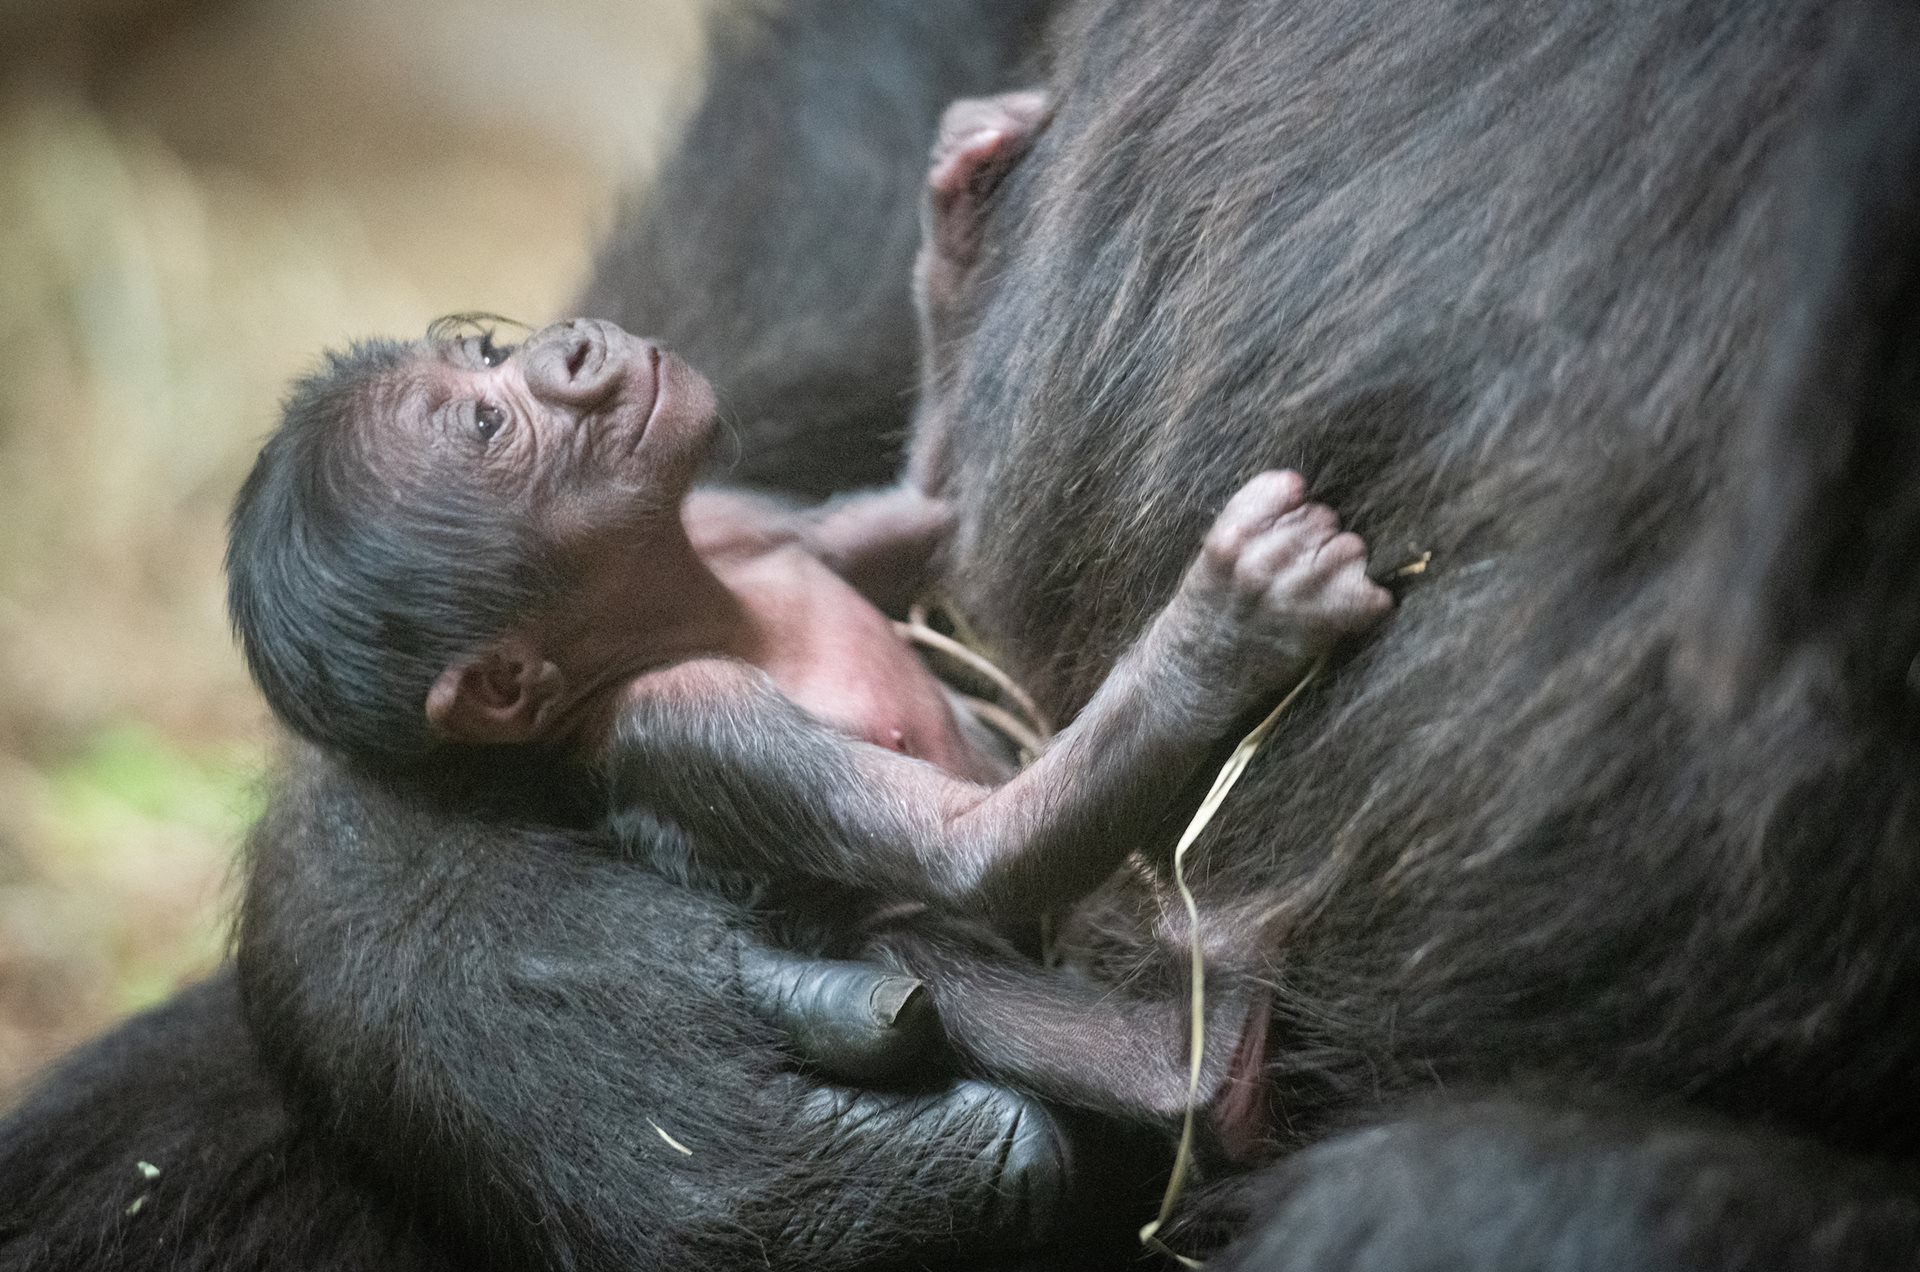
{"points": [[195, 199]]}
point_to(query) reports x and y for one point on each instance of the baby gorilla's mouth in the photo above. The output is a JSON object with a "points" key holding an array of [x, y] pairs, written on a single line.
{"points": [[654, 373], [626, 429], [656, 393]]}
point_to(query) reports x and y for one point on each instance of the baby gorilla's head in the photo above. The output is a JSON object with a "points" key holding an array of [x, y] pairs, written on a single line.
{"points": [[421, 502]]}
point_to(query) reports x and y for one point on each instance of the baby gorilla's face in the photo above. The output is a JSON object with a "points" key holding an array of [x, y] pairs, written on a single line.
{"points": [[581, 424]]}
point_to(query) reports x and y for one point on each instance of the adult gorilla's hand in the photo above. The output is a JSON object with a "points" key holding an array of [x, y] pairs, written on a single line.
{"points": [[864, 1024], [552, 1055], [855, 1021]]}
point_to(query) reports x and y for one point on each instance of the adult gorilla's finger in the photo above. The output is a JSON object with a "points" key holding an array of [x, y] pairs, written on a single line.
{"points": [[995, 1162], [858, 1022]]}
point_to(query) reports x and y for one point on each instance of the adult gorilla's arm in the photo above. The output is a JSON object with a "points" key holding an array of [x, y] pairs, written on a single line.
{"points": [[550, 1052]]}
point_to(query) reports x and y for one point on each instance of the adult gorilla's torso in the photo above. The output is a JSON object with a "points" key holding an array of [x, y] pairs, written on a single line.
{"points": [[1501, 281]]}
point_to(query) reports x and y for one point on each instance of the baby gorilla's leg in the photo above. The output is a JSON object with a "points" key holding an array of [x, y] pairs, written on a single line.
{"points": [[1120, 1050]]}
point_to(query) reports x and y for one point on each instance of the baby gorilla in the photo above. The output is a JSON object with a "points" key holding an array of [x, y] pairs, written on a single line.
{"points": [[458, 558], [451, 548]]}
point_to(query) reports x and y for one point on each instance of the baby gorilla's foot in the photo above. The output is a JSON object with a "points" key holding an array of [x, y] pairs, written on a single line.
{"points": [[981, 138], [1278, 581]]}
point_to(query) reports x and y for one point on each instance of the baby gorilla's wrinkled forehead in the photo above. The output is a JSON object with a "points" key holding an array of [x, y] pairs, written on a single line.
{"points": [[581, 415]]}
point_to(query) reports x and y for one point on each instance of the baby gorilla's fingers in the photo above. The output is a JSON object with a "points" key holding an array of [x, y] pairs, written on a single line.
{"points": [[1340, 552], [1253, 510], [1304, 581], [1354, 601], [1277, 568], [1320, 571], [1276, 583], [856, 1021]]}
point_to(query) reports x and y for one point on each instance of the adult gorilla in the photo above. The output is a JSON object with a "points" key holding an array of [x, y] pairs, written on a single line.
{"points": [[1615, 310]]}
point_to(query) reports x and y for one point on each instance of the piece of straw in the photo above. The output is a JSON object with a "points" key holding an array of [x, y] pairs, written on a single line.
{"points": [[916, 631], [1416, 566], [672, 1143], [1197, 966], [1008, 725]]}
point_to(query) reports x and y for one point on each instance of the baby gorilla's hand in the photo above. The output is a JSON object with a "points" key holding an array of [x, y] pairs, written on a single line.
{"points": [[888, 543], [1276, 584]]}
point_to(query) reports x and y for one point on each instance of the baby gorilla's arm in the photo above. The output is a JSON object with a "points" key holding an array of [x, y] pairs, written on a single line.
{"points": [[885, 542], [762, 788]]}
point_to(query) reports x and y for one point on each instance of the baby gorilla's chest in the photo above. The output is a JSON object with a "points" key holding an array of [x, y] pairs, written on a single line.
{"points": [[840, 660]]}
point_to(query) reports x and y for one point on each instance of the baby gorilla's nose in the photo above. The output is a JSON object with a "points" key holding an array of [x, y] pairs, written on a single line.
{"points": [[578, 362], [577, 354]]}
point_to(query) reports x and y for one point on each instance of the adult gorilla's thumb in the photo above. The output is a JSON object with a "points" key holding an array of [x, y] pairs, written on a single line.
{"points": [[857, 1022]]}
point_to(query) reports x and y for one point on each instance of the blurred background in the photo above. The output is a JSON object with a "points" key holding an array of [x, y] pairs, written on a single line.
{"points": [[196, 196]]}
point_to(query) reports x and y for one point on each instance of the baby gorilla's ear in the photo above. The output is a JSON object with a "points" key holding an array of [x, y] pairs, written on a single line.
{"points": [[505, 694]]}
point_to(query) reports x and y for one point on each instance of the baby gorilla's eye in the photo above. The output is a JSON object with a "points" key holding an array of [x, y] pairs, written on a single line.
{"points": [[490, 353], [487, 419]]}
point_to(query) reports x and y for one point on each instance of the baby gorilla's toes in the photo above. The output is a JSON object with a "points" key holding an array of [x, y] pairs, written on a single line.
{"points": [[981, 138]]}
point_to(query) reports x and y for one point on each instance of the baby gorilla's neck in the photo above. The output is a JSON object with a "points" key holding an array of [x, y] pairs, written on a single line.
{"points": [[642, 602], [747, 581]]}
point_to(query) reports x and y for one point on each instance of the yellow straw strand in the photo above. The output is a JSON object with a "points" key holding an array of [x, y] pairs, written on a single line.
{"points": [[919, 633], [1223, 783]]}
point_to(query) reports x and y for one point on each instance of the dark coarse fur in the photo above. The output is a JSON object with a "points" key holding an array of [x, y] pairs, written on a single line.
{"points": [[1570, 1187], [1819, 560], [474, 1041], [773, 248], [505, 1021], [1505, 282], [239, 1188]]}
